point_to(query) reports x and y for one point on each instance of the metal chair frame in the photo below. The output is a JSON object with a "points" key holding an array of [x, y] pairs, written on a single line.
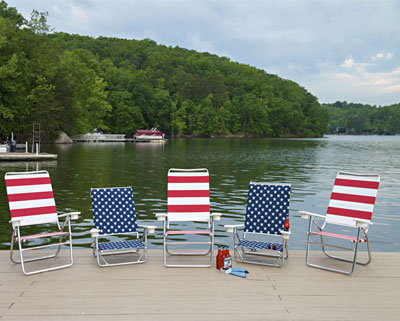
{"points": [[361, 235], [243, 254], [16, 237], [102, 254], [210, 249], [210, 228], [360, 225]]}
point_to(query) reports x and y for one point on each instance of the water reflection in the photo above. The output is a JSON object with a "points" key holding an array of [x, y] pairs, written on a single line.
{"points": [[310, 165]]}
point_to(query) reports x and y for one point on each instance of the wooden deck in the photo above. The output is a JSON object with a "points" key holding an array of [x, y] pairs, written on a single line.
{"points": [[152, 292]]}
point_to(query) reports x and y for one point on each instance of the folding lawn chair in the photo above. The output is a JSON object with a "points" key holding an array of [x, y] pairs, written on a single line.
{"points": [[188, 201], [31, 202], [114, 214], [351, 205], [264, 235]]}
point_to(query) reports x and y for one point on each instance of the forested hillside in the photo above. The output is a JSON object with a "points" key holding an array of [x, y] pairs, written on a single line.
{"points": [[76, 83], [351, 118]]}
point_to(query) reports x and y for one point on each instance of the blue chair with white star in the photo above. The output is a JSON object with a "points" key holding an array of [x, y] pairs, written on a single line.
{"points": [[266, 228], [114, 216]]}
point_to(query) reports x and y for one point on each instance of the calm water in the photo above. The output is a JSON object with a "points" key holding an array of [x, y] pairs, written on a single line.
{"points": [[310, 165]]}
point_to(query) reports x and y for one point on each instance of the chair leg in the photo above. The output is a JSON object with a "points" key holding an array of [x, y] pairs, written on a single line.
{"points": [[353, 261], [22, 261]]}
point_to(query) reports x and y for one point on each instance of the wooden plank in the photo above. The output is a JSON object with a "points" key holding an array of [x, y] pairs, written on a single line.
{"points": [[152, 292]]}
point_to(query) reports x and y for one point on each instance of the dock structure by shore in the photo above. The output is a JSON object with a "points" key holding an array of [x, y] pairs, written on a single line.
{"points": [[97, 137], [150, 291], [26, 156]]}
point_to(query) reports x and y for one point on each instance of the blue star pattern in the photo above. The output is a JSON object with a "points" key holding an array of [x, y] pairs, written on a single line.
{"points": [[104, 246], [113, 210], [267, 208], [261, 245]]}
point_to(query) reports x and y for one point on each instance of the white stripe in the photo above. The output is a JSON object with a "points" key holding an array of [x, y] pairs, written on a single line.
{"points": [[188, 217], [10, 176], [341, 220], [188, 186], [193, 174], [355, 177], [38, 219], [29, 189], [354, 190], [352, 205], [188, 200], [32, 204]]}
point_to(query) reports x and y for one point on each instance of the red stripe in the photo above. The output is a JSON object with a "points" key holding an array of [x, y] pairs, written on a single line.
{"points": [[356, 183], [353, 198], [188, 208], [27, 181], [30, 196], [204, 193], [349, 213], [33, 211], [188, 179]]}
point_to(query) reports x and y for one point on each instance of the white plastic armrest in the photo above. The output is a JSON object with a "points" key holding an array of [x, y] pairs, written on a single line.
{"points": [[151, 229], [230, 228], [74, 215], [362, 223], [161, 216], [306, 215], [95, 232], [15, 221], [285, 234], [216, 216]]}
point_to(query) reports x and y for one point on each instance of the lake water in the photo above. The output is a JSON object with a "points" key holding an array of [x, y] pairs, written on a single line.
{"points": [[309, 165]]}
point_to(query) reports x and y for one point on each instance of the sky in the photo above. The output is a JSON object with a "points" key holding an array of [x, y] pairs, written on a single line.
{"points": [[346, 50]]}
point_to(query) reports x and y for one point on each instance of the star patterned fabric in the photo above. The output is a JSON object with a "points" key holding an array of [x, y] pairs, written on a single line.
{"points": [[114, 210], [267, 208]]}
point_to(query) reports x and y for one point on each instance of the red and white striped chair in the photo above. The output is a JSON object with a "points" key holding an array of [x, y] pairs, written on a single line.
{"points": [[188, 201], [351, 206], [31, 202]]}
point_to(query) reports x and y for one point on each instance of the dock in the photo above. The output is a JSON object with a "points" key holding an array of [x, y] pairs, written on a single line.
{"points": [[150, 291], [26, 156]]}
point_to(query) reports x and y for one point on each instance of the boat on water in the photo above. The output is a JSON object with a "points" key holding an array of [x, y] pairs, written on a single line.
{"points": [[148, 135]]}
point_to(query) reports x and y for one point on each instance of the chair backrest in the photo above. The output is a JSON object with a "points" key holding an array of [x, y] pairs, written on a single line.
{"points": [[353, 196], [188, 195], [267, 208], [30, 197], [114, 210]]}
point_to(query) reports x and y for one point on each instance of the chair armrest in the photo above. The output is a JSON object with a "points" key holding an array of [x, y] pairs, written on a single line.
{"points": [[95, 232], [231, 228], [161, 216], [73, 215], [306, 215], [285, 234], [151, 229], [216, 216], [362, 223], [16, 221]]}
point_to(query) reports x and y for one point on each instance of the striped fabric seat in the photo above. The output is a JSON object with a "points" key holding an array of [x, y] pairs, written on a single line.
{"points": [[340, 236], [261, 245], [30, 198], [35, 236], [188, 196], [353, 197]]}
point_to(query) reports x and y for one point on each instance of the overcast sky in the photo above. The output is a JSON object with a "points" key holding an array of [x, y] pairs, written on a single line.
{"points": [[336, 49]]}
